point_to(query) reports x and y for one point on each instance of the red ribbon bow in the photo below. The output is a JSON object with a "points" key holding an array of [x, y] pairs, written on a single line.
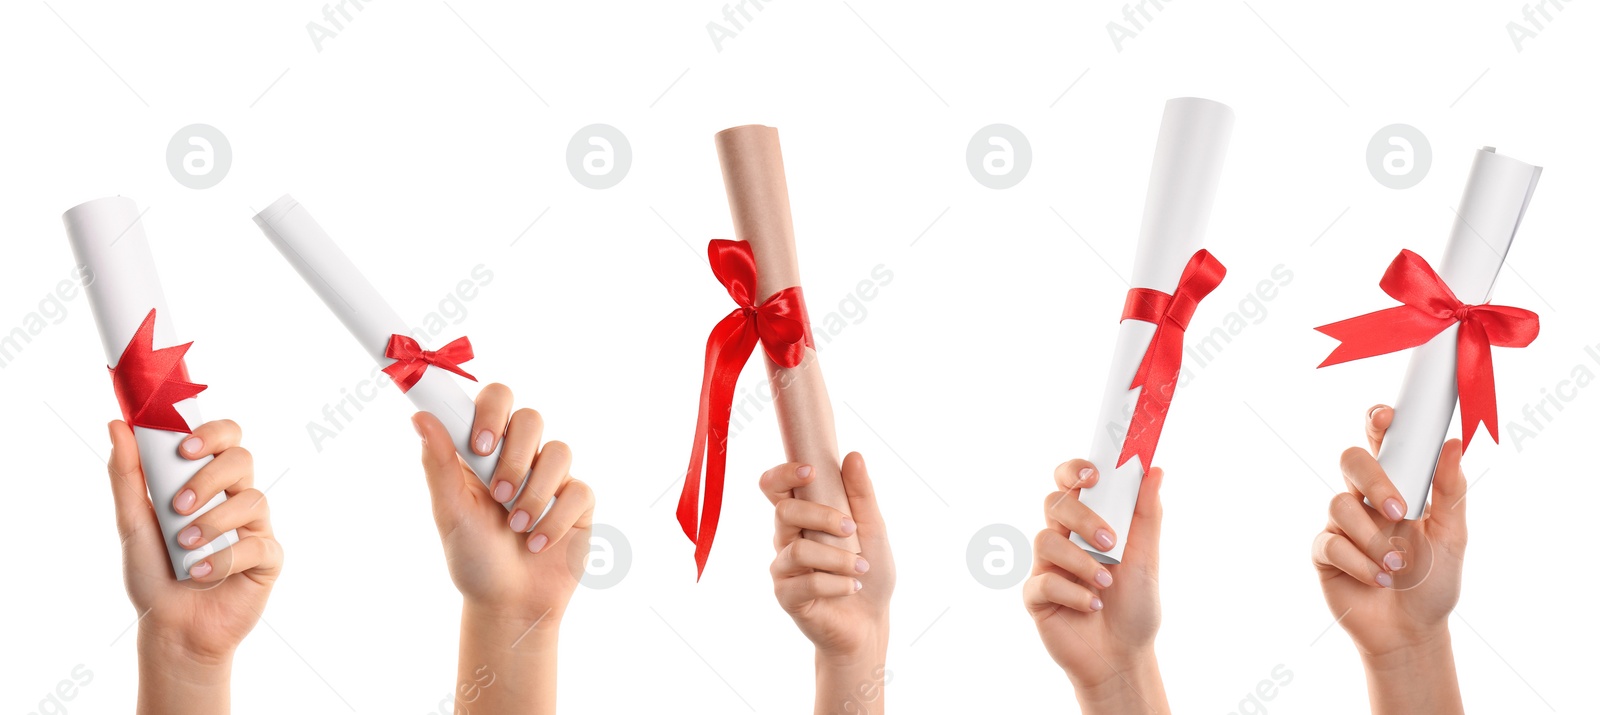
{"points": [[148, 382], [1157, 375], [1430, 307], [410, 360], [780, 324]]}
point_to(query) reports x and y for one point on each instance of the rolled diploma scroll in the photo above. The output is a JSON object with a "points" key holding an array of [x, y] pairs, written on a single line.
{"points": [[364, 313], [1183, 182], [108, 239], [1497, 195], [758, 199]]}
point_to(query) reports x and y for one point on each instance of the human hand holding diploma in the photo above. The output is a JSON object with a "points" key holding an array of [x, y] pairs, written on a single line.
{"points": [[425, 376]]}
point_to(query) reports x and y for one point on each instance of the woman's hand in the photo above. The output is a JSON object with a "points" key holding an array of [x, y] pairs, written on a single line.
{"points": [[516, 572], [1392, 583], [1099, 622], [839, 599], [188, 630]]}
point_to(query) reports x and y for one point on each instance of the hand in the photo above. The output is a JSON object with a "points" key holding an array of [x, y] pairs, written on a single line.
{"points": [[188, 630], [515, 571], [840, 600], [1099, 622], [1392, 583]]}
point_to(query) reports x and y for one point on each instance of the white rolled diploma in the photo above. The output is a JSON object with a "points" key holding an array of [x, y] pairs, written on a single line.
{"points": [[364, 313], [1497, 195], [1183, 183], [108, 240]]}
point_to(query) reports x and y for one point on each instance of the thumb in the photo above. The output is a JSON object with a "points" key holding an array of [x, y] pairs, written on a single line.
{"points": [[443, 469], [863, 500], [1144, 534], [127, 482], [1448, 510]]}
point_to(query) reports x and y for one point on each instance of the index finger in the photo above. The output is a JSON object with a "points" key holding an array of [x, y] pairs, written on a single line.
{"points": [[210, 438], [1379, 417], [1076, 474], [1366, 478], [779, 482]]}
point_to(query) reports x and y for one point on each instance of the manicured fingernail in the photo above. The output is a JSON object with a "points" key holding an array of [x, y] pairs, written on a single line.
{"points": [[200, 570], [1103, 578], [519, 520], [1393, 509], [1374, 412], [1084, 474], [1384, 580], [1104, 539], [189, 536], [485, 442], [848, 527], [861, 565], [804, 472], [536, 544], [184, 502], [502, 491], [1394, 561], [192, 445], [1096, 604], [858, 584]]}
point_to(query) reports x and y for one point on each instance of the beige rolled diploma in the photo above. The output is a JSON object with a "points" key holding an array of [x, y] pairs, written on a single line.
{"points": [[109, 241], [758, 199], [1497, 195], [1190, 150]]}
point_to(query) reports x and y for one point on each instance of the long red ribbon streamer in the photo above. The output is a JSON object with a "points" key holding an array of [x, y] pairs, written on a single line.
{"points": [[410, 360], [780, 324], [149, 381], [1430, 307], [1157, 376]]}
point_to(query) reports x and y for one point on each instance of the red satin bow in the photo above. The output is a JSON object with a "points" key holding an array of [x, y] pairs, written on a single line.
{"points": [[780, 324], [149, 381], [1157, 376], [410, 360], [1430, 307]]}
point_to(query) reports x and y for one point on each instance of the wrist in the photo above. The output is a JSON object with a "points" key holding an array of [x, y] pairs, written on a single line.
{"points": [[853, 681], [866, 653], [178, 658], [1419, 648], [1419, 676], [175, 678], [1127, 684], [512, 625]]}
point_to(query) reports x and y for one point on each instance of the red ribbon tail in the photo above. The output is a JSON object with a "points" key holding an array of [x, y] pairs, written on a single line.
{"points": [[1156, 380], [1475, 383], [1381, 332], [727, 350]]}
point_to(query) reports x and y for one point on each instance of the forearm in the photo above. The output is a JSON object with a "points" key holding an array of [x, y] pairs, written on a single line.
{"points": [[507, 663], [1133, 688], [853, 684], [1417, 679], [175, 681]]}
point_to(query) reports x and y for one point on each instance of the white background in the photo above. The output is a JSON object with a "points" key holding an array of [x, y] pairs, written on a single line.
{"points": [[427, 137]]}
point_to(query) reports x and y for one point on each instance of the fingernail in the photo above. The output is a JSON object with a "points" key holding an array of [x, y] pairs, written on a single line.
{"points": [[189, 536], [861, 565], [1095, 604], [485, 442], [1103, 538], [192, 445], [1393, 509], [1373, 413], [536, 544], [418, 428], [200, 570], [1103, 578], [848, 527], [1394, 561], [184, 502], [1084, 474], [858, 584], [519, 520], [804, 472], [502, 491], [1384, 580]]}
